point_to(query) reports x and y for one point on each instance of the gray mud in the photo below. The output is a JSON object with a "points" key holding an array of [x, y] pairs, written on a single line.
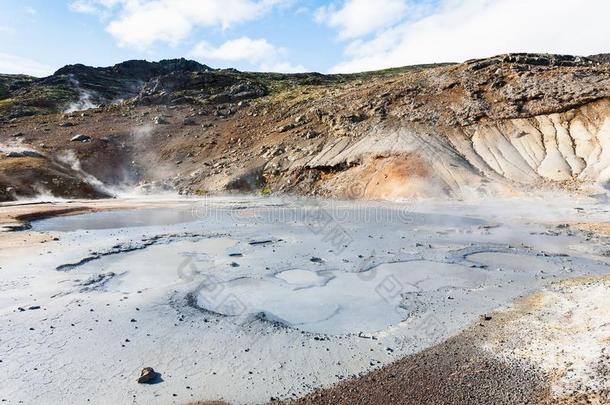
{"points": [[246, 299]]}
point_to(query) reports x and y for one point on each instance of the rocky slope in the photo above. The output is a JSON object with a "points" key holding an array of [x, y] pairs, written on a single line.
{"points": [[497, 125]]}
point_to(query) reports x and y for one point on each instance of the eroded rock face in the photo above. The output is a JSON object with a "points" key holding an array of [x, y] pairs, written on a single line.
{"points": [[485, 158], [557, 147]]}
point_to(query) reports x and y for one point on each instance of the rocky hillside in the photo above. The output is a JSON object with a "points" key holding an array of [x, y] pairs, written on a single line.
{"points": [[498, 125]]}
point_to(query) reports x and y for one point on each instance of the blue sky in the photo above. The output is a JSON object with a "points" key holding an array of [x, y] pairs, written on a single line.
{"points": [[39, 36]]}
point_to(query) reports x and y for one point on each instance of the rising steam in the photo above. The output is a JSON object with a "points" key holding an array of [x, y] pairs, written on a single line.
{"points": [[68, 158], [85, 98]]}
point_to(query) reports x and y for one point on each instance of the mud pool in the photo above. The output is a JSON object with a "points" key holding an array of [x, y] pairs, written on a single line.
{"points": [[247, 299]]}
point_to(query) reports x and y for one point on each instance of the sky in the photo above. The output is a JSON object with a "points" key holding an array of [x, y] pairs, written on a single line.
{"points": [[37, 37]]}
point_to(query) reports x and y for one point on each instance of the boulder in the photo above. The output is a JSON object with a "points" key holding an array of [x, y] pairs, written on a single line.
{"points": [[24, 153]]}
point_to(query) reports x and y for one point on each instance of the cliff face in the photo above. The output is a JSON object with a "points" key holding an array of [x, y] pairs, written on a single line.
{"points": [[507, 123]]}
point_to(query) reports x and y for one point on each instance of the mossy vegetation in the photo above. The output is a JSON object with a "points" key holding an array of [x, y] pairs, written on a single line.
{"points": [[395, 71], [8, 81]]}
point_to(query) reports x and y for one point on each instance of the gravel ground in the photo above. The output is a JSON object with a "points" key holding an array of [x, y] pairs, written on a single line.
{"points": [[454, 372], [550, 347]]}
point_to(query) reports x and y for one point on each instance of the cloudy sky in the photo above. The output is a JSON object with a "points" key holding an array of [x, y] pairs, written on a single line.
{"points": [[39, 36]]}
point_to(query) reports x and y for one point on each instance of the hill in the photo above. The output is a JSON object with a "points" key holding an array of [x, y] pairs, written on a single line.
{"points": [[498, 125]]}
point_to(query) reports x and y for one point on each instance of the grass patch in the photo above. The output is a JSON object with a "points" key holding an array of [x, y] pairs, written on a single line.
{"points": [[17, 164], [6, 101]]}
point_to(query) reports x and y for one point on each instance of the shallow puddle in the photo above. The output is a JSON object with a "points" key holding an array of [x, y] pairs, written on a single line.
{"points": [[116, 220], [515, 262]]}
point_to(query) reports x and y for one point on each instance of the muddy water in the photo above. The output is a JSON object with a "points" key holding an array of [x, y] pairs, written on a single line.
{"points": [[269, 297], [116, 220]]}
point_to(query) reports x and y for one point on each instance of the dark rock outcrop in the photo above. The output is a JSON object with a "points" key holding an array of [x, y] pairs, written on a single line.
{"points": [[600, 58]]}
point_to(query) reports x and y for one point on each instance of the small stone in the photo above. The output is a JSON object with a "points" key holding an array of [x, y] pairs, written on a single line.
{"points": [[189, 121], [311, 134], [147, 375], [80, 138], [159, 120], [285, 128]]}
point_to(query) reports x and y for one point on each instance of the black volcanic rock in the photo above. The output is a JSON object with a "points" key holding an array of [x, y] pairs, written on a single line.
{"points": [[533, 59], [135, 69], [600, 58], [212, 86], [174, 81], [121, 81]]}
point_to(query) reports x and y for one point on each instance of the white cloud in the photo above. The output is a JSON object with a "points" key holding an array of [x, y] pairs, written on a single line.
{"points": [[250, 50], [360, 17], [282, 67], [31, 10], [13, 64], [84, 7], [457, 30], [257, 52], [141, 23], [96, 7]]}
